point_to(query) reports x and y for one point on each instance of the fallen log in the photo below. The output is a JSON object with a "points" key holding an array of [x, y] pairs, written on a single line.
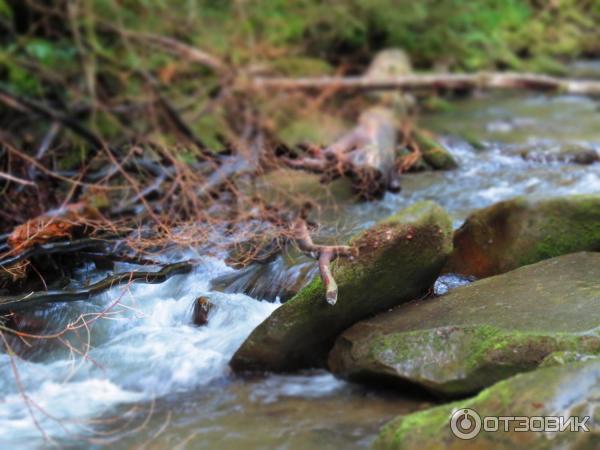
{"points": [[441, 81], [32, 299], [366, 155]]}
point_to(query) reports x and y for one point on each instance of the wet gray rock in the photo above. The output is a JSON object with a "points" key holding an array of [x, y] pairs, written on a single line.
{"points": [[482, 333]]}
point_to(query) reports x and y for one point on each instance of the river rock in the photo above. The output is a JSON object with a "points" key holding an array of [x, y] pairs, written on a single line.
{"points": [[280, 279], [297, 186], [570, 391], [566, 153], [202, 308], [434, 153], [399, 259], [521, 231], [481, 333]]}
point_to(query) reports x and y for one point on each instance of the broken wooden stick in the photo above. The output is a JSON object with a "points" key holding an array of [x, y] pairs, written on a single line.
{"points": [[325, 255], [452, 81]]}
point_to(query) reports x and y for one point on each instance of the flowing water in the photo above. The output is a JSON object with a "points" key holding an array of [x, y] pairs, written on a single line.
{"points": [[142, 376]]}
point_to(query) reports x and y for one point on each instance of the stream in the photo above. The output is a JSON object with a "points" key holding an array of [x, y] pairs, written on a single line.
{"points": [[150, 379]]}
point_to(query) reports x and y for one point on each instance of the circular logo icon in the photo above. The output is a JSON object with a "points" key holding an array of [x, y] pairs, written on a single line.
{"points": [[465, 423]]}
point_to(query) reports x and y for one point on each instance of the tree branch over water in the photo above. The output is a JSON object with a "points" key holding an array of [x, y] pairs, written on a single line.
{"points": [[32, 299]]}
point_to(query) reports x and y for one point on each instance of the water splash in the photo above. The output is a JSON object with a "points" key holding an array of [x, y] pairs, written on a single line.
{"points": [[148, 351]]}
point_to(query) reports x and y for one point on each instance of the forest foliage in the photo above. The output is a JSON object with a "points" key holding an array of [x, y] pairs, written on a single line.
{"points": [[97, 62]]}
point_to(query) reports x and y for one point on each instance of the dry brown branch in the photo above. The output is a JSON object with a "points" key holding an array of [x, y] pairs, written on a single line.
{"points": [[14, 303], [324, 253], [482, 80], [9, 177]]}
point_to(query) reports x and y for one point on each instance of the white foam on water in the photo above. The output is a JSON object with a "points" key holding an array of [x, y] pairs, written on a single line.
{"points": [[311, 385], [150, 351]]}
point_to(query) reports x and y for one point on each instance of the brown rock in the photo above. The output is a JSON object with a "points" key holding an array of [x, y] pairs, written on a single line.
{"points": [[202, 307]]}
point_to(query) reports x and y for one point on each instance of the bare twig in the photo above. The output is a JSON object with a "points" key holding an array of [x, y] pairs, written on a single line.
{"points": [[9, 177], [324, 253]]}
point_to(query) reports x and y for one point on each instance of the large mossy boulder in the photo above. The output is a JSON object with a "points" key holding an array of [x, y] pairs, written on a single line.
{"points": [[569, 391], [398, 260], [520, 231], [482, 333]]}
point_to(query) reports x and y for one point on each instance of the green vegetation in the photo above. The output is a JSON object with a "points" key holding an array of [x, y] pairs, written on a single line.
{"points": [[103, 64], [88, 51]]}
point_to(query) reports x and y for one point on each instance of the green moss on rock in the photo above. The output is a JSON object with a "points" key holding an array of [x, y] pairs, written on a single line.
{"points": [[481, 333], [434, 153], [399, 259], [520, 231], [567, 391]]}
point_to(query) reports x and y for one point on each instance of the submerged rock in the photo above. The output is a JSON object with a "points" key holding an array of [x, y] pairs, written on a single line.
{"points": [[521, 231], [567, 153], [399, 259], [280, 279], [570, 391], [479, 334]]}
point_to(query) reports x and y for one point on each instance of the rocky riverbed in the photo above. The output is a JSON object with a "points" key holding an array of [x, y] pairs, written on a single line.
{"points": [[521, 339]]}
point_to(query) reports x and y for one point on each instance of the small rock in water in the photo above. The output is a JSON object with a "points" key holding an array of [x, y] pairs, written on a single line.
{"points": [[568, 153], [202, 307]]}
